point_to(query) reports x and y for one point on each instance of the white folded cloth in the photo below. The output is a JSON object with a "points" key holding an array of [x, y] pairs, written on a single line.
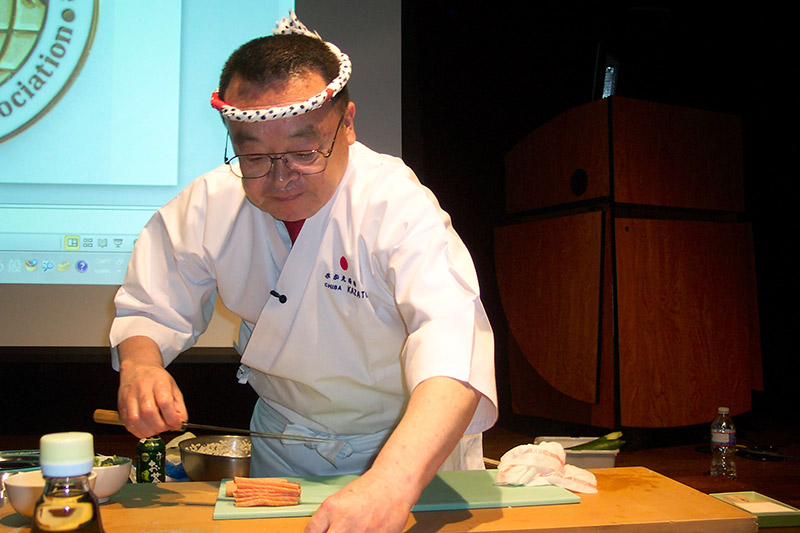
{"points": [[543, 464]]}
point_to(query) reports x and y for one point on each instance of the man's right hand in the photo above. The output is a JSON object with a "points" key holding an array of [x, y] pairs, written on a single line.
{"points": [[149, 401]]}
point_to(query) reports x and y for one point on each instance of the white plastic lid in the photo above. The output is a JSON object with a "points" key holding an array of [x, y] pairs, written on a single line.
{"points": [[723, 410], [66, 454]]}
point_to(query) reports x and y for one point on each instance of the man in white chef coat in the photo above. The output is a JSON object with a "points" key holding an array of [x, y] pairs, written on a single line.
{"points": [[361, 316]]}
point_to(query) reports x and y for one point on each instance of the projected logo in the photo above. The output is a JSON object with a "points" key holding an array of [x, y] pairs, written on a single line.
{"points": [[43, 45]]}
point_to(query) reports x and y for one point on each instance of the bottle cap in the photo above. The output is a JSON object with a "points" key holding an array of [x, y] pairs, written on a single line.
{"points": [[723, 410], [66, 454]]}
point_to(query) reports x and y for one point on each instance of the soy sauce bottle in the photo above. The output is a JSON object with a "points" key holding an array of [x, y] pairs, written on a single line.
{"points": [[67, 503]]}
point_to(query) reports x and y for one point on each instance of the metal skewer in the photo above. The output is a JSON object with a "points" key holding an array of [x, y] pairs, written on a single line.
{"points": [[106, 416]]}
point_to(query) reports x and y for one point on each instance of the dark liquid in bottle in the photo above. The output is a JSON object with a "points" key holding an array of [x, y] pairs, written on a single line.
{"points": [[67, 512]]}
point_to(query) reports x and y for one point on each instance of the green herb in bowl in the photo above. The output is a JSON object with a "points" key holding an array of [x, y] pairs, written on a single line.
{"points": [[108, 460]]}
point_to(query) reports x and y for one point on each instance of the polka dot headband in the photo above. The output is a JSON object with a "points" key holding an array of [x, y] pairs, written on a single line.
{"points": [[286, 26]]}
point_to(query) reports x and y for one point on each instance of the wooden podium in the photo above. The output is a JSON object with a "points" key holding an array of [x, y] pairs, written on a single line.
{"points": [[626, 273]]}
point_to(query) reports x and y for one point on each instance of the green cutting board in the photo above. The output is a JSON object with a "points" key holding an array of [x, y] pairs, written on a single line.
{"points": [[460, 489]]}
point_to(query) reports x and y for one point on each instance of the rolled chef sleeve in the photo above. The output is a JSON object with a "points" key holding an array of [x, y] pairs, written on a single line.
{"points": [[169, 289], [437, 293]]}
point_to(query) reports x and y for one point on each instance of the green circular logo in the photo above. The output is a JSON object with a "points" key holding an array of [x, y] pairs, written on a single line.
{"points": [[43, 45]]}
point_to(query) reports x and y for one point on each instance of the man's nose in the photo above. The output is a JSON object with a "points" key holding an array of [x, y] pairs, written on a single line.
{"points": [[280, 171]]}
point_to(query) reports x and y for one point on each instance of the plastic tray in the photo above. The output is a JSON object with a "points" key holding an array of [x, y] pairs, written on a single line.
{"points": [[583, 458]]}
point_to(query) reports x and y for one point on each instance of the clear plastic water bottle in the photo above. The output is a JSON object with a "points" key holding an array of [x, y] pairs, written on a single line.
{"points": [[723, 445]]}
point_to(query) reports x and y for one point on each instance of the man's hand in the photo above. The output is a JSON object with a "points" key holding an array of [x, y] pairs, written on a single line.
{"points": [[149, 401], [438, 413], [368, 503]]}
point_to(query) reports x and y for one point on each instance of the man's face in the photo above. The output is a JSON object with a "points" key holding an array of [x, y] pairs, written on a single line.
{"points": [[283, 193]]}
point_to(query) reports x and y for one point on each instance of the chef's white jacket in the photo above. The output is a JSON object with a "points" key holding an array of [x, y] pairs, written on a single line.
{"points": [[377, 294]]}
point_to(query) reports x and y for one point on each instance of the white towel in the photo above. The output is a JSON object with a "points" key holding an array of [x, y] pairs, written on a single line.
{"points": [[543, 464]]}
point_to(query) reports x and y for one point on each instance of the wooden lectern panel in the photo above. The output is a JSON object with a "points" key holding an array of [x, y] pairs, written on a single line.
{"points": [[629, 151], [544, 169], [674, 156], [686, 309], [643, 312], [549, 275]]}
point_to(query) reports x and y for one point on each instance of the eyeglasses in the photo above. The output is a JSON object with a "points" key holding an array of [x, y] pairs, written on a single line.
{"points": [[253, 166]]}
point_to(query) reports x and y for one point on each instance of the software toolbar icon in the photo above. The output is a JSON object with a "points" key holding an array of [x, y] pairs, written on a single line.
{"points": [[72, 242]]}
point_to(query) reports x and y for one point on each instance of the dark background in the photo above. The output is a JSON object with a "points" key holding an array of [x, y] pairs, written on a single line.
{"points": [[477, 80], [475, 84]]}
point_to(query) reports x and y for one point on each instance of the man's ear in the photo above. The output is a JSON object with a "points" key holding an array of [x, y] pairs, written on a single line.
{"points": [[349, 122]]}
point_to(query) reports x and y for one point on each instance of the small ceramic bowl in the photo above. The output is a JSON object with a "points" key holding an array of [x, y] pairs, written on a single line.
{"points": [[111, 478], [24, 488]]}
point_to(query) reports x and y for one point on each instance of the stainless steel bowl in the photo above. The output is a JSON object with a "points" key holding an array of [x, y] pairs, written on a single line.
{"points": [[201, 466]]}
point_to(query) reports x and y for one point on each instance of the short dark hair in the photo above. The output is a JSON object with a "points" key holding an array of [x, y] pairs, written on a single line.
{"points": [[279, 58]]}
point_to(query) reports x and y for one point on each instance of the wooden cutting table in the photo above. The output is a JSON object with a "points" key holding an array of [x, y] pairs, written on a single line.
{"points": [[630, 499]]}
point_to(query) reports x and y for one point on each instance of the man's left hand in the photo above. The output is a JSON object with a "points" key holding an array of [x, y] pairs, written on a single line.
{"points": [[382, 498], [368, 503]]}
